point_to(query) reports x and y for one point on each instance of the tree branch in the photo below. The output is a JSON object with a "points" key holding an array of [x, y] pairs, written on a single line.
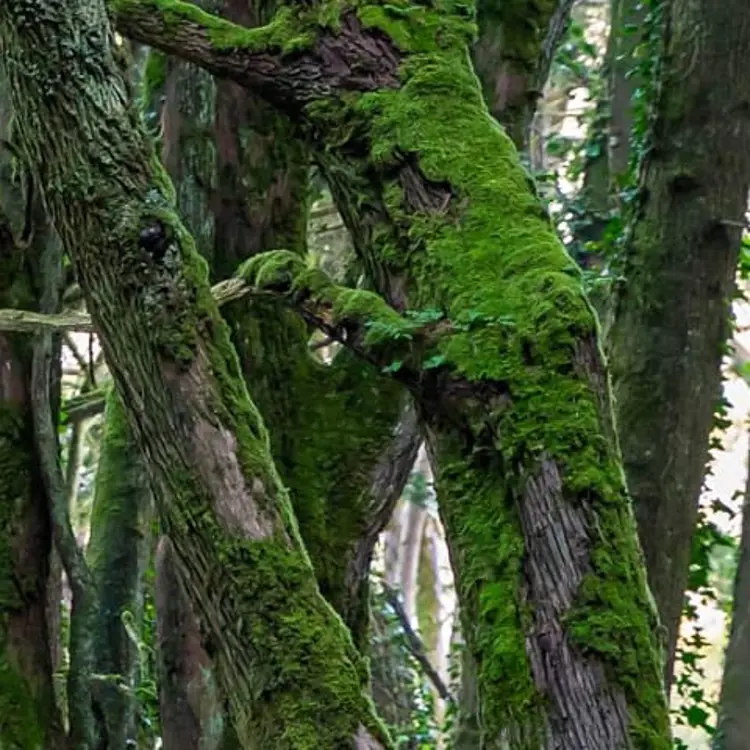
{"points": [[84, 405], [288, 61], [415, 645], [361, 320], [79, 576], [26, 321]]}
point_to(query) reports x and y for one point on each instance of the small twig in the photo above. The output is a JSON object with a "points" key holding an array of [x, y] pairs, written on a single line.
{"points": [[415, 645], [327, 341], [79, 358]]}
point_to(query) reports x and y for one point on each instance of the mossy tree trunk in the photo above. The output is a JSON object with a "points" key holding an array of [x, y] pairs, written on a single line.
{"points": [[285, 660], [342, 436], [500, 351], [513, 54], [118, 554], [241, 180], [28, 715], [733, 725], [671, 314]]}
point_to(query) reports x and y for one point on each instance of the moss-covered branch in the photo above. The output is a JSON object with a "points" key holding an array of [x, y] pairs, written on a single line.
{"points": [[285, 60]]}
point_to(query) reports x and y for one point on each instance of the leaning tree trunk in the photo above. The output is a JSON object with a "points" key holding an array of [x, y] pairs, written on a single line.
{"points": [[671, 314], [733, 725], [341, 440], [285, 660], [500, 351]]}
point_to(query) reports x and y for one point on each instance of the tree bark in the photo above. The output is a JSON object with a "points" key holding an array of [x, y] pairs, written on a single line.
{"points": [[341, 441], [286, 662], [509, 379], [733, 724], [28, 715], [513, 55], [191, 709], [671, 315]]}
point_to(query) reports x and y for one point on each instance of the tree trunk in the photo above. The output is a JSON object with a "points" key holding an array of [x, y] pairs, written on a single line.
{"points": [[733, 725], [513, 55], [628, 20], [671, 313], [118, 550], [502, 359], [284, 659], [28, 715], [192, 716], [241, 183]]}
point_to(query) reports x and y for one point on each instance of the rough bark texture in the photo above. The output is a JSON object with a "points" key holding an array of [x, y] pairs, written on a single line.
{"points": [[339, 436], [28, 715], [514, 52], [118, 553], [190, 707], [284, 658], [241, 183], [509, 381], [671, 314], [733, 725]]}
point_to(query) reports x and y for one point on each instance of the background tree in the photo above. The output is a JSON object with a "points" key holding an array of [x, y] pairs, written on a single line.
{"points": [[671, 314]]}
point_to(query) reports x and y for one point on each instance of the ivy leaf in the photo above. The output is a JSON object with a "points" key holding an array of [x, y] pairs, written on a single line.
{"points": [[435, 361], [395, 366]]}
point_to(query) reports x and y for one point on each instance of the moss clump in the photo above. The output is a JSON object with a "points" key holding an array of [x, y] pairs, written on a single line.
{"points": [[154, 74], [288, 271], [289, 31]]}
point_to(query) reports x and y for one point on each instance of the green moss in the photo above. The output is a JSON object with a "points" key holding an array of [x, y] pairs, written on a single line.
{"points": [[154, 74], [288, 32], [287, 270], [493, 254]]}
